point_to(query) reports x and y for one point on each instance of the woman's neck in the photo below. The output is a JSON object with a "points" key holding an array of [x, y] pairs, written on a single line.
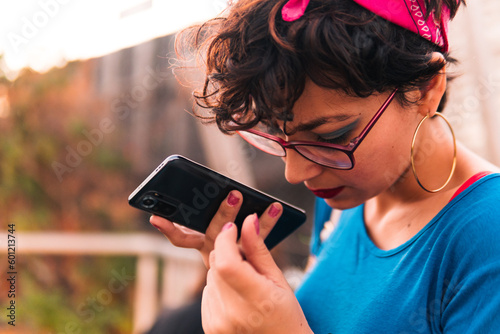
{"points": [[396, 215]]}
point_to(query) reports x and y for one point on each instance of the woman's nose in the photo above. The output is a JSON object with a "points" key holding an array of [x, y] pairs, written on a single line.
{"points": [[299, 169]]}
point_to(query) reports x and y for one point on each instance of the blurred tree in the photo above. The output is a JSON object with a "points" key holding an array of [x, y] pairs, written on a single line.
{"points": [[54, 120], [58, 170]]}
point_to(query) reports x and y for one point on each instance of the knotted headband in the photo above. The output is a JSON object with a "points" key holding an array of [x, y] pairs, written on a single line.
{"points": [[409, 14]]}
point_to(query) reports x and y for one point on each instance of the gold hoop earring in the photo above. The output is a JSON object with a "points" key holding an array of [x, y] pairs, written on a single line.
{"points": [[454, 154]]}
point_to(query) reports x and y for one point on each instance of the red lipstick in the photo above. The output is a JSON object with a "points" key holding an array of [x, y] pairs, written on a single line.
{"points": [[327, 193]]}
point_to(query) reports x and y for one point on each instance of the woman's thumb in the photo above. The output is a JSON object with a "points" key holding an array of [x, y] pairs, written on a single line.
{"points": [[255, 249]]}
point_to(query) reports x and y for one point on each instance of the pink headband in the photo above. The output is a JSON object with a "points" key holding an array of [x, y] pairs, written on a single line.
{"points": [[409, 14]]}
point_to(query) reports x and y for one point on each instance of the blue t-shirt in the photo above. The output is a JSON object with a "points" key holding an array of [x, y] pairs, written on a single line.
{"points": [[446, 279]]}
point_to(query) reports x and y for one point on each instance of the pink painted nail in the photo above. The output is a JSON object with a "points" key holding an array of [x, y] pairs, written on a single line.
{"points": [[274, 210], [232, 200], [156, 226], [257, 225], [227, 226]]}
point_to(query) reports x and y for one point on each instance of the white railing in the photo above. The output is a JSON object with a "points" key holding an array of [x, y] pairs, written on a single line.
{"points": [[181, 267]]}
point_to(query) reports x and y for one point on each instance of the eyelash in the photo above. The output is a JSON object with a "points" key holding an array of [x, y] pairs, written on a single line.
{"points": [[341, 140]]}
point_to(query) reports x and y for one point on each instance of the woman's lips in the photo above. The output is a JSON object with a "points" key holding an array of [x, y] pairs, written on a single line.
{"points": [[327, 193]]}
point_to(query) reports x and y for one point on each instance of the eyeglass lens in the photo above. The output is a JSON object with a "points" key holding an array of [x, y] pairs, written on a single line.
{"points": [[325, 156]]}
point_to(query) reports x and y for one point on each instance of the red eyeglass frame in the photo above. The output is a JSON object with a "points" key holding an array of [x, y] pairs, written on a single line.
{"points": [[347, 149]]}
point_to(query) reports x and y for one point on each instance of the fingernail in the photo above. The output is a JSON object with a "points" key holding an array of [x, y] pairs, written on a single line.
{"points": [[227, 226], [150, 221], [232, 200], [274, 210], [256, 223]]}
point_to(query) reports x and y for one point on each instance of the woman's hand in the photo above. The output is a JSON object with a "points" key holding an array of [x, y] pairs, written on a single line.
{"points": [[181, 236], [246, 291]]}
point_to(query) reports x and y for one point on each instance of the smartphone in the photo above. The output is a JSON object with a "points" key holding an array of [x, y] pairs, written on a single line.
{"points": [[188, 193]]}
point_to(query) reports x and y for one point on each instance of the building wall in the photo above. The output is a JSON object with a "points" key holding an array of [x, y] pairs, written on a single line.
{"points": [[475, 94]]}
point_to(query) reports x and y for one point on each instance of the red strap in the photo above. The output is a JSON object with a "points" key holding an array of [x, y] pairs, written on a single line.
{"points": [[469, 182]]}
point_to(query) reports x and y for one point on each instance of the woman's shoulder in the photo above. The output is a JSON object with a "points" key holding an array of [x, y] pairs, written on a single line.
{"points": [[482, 195], [470, 257], [479, 201], [473, 216]]}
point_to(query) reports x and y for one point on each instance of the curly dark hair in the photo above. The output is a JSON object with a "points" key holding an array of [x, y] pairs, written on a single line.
{"points": [[257, 64]]}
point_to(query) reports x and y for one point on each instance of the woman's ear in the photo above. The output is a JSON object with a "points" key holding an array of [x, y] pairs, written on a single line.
{"points": [[434, 91]]}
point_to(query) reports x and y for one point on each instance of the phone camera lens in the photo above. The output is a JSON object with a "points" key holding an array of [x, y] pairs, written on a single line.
{"points": [[166, 209], [149, 202]]}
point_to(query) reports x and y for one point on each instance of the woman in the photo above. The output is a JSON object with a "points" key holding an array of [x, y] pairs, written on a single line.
{"points": [[348, 93]]}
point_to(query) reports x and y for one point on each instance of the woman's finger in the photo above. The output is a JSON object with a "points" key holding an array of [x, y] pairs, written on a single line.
{"points": [[227, 212], [256, 252], [269, 218], [178, 235], [228, 263]]}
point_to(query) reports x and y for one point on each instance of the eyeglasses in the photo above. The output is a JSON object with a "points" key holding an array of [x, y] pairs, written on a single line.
{"points": [[325, 154]]}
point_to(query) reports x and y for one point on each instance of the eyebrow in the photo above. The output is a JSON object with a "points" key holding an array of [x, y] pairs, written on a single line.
{"points": [[311, 125]]}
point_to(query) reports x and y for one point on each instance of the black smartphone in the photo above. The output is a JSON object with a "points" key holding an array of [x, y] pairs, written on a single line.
{"points": [[188, 193]]}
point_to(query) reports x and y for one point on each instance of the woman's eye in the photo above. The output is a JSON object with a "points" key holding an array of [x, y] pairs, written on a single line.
{"points": [[341, 136], [340, 140]]}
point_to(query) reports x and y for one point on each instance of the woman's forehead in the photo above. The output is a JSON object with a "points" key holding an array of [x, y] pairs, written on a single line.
{"points": [[318, 102], [325, 107]]}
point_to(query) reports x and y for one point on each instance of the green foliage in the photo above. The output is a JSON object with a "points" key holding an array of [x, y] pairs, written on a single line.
{"points": [[50, 114], [89, 308], [39, 217], [110, 160]]}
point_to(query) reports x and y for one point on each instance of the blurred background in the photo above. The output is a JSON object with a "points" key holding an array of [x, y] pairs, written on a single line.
{"points": [[89, 106]]}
